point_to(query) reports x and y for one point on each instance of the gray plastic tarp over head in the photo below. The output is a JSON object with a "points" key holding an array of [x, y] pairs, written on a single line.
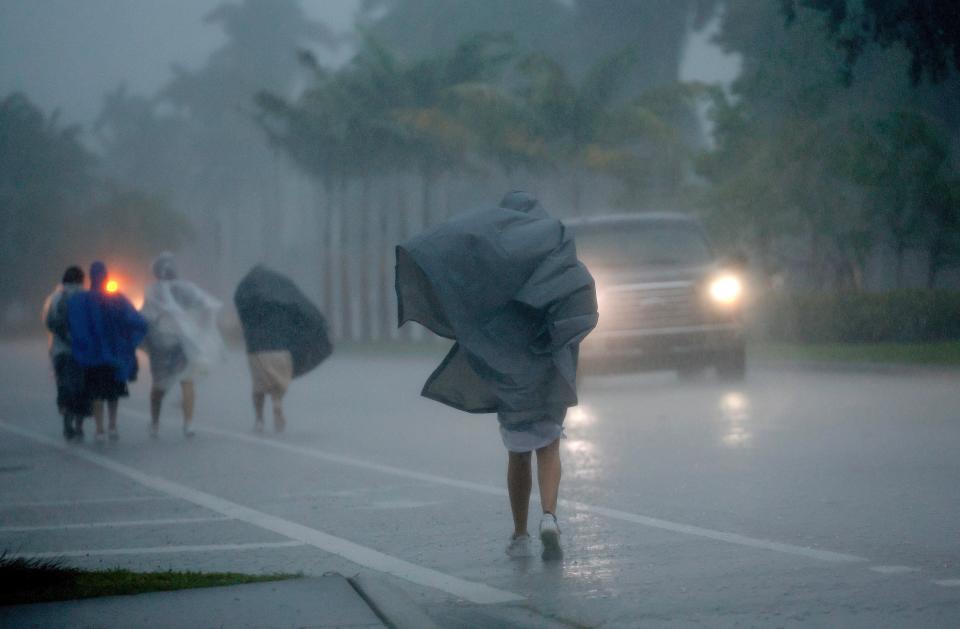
{"points": [[506, 285]]}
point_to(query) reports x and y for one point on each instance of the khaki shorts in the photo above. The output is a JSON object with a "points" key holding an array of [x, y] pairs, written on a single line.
{"points": [[271, 371]]}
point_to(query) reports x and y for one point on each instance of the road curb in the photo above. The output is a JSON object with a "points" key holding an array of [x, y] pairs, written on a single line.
{"points": [[392, 606]]}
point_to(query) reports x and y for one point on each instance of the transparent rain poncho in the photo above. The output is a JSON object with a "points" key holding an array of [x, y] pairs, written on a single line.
{"points": [[183, 340]]}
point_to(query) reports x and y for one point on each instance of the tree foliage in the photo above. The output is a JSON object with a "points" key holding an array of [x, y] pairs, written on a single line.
{"points": [[816, 173], [929, 29], [55, 210]]}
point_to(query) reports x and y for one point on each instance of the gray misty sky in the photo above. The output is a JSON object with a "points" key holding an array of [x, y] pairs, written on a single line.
{"points": [[66, 53]]}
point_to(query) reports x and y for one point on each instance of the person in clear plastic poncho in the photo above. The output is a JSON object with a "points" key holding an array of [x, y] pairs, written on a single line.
{"points": [[183, 340], [73, 401]]}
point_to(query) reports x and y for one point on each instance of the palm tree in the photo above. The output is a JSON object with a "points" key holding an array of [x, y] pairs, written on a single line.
{"points": [[582, 125]]}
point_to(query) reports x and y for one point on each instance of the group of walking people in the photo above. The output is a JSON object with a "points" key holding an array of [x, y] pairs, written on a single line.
{"points": [[504, 284], [95, 333]]}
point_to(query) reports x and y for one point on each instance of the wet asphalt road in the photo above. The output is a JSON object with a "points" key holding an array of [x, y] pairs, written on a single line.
{"points": [[795, 499]]}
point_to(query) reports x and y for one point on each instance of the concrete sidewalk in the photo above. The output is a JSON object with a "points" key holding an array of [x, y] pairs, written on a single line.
{"points": [[327, 601]]}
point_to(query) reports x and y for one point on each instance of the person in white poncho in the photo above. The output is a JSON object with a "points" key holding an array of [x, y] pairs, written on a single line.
{"points": [[183, 340]]}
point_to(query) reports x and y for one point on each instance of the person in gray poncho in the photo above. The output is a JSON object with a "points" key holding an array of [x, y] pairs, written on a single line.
{"points": [[507, 286]]}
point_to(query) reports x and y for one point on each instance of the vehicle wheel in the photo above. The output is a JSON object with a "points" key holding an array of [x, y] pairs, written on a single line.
{"points": [[732, 365]]}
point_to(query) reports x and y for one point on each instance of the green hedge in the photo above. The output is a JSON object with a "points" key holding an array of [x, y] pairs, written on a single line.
{"points": [[906, 316]]}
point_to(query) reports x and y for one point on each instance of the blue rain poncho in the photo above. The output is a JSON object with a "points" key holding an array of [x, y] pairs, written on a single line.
{"points": [[506, 285], [105, 329]]}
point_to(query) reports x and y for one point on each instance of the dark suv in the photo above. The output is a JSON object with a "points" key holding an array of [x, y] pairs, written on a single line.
{"points": [[665, 301]]}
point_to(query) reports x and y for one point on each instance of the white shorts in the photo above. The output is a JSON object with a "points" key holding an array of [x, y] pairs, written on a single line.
{"points": [[532, 437]]}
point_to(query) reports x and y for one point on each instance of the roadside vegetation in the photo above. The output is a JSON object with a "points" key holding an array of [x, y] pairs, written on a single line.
{"points": [[25, 581]]}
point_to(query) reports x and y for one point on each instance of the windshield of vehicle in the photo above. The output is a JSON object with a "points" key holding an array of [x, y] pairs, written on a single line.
{"points": [[640, 244]]}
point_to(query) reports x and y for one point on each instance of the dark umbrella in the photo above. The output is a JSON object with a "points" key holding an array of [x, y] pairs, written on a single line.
{"points": [[276, 315]]}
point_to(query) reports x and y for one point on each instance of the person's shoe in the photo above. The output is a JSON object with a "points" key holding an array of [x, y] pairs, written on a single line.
{"points": [[78, 431], [188, 431], [68, 432], [154, 430], [100, 437], [519, 547], [258, 426], [550, 536], [113, 435], [279, 424]]}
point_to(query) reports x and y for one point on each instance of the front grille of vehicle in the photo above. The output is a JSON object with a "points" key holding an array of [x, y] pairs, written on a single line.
{"points": [[650, 307]]}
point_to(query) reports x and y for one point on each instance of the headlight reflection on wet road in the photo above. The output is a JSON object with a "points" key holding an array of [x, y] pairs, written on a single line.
{"points": [[582, 456], [735, 415]]}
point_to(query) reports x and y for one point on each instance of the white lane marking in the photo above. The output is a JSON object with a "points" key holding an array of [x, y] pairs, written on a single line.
{"points": [[112, 524], [477, 593], [894, 569], [676, 527], [948, 583], [155, 550], [81, 503]]}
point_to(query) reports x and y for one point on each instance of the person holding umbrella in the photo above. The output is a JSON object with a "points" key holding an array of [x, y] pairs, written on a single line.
{"points": [[506, 285], [285, 335]]}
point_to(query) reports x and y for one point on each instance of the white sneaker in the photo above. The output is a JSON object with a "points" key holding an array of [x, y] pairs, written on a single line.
{"points": [[113, 435], [519, 547], [550, 536], [188, 431], [154, 430]]}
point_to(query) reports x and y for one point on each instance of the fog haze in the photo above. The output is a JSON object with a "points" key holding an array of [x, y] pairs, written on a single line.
{"points": [[66, 54]]}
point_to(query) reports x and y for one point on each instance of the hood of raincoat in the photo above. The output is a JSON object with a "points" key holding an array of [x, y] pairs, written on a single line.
{"points": [[180, 313], [105, 329], [276, 315], [55, 317], [506, 285]]}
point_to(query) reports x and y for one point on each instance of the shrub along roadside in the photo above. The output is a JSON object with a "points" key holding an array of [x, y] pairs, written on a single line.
{"points": [[905, 316], [36, 581]]}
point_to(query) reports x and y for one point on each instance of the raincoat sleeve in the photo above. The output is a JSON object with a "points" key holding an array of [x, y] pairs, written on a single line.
{"points": [[54, 316], [135, 324], [563, 290]]}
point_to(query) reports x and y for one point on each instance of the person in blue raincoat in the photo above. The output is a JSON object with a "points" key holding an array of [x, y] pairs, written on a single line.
{"points": [[105, 330], [506, 285]]}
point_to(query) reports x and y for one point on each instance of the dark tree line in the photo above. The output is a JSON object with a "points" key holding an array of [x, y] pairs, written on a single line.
{"points": [[55, 209], [826, 160]]}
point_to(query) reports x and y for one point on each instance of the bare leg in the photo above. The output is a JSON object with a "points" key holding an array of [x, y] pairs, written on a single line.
{"points": [[112, 413], [156, 403], [548, 476], [279, 422], [258, 400], [519, 483], [189, 395], [98, 415]]}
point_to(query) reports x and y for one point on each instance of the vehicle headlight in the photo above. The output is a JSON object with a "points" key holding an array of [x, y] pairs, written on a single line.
{"points": [[726, 289]]}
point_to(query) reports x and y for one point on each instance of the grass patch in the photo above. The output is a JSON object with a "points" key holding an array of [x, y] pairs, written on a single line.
{"points": [[936, 354], [37, 581]]}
